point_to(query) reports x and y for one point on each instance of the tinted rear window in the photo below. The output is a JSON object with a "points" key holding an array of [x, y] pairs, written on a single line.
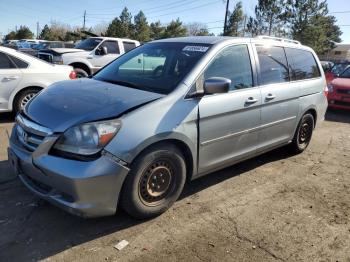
{"points": [[302, 64]]}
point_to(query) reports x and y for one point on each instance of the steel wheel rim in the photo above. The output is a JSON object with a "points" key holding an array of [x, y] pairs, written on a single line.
{"points": [[305, 133], [156, 182], [26, 99]]}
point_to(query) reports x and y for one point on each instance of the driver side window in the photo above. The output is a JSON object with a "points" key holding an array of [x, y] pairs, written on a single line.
{"points": [[232, 63], [112, 47]]}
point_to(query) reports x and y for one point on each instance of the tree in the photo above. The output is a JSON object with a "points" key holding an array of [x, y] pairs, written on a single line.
{"points": [[175, 29], [269, 18], [197, 29], [100, 29], [45, 33], [156, 30], [311, 24], [121, 26], [11, 36], [142, 29], [24, 33], [235, 21]]}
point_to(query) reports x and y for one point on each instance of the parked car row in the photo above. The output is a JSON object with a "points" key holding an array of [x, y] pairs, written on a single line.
{"points": [[164, 113]]}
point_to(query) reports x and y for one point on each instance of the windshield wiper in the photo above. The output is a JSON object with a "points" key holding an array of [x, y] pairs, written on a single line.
{"points": [[122, 83]]}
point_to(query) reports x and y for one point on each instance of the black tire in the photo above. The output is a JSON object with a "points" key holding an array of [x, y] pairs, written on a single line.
{"points": [[303, 134], [23, 98], [161, 168], [81, 73]]}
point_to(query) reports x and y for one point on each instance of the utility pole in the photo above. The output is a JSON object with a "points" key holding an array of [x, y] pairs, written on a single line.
{"points": [[226, 14], [37, 30], [84, 20], [244, 26]]}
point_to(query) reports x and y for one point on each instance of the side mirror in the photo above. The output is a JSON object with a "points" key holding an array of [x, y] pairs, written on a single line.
{"points": [[101, 50], [104, 50], [217, 85]]}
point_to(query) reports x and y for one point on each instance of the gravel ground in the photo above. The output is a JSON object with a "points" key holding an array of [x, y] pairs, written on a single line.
{"points": [[275, 207]]}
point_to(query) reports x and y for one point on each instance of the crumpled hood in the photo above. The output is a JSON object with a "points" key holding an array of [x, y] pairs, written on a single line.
{"points": [[72, 102]]}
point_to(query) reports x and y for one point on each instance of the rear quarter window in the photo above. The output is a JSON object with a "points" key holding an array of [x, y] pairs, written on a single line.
{"points": [[18, 62], [128, 46], [302, 64]]}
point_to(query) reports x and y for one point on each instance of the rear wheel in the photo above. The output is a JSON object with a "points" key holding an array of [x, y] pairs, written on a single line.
{"points": [[24, 97], [81, 73], [303, 134], [155, 181]]}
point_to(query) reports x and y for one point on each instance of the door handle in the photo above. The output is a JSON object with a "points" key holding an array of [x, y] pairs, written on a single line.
{"points": [[89, 57], [270, 97], [251, 100], [9, 78]]}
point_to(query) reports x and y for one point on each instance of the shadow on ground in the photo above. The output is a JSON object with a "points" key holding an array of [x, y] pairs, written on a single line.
{"points": [[7, 118], [338, 115], [52, 230]]}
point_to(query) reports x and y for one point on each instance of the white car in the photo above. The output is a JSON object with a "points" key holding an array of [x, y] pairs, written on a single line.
{"points": [[22, 76], [89, 55]]}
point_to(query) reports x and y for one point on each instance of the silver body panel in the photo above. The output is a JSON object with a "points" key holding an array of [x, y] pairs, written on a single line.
{"points": [[216, 131]]}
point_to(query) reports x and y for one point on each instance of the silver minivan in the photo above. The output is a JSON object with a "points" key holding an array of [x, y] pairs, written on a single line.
{"points": [[164, 113]]}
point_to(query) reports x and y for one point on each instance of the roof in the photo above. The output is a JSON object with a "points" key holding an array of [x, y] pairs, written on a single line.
{"points": [[342, 47], [199, 39]]}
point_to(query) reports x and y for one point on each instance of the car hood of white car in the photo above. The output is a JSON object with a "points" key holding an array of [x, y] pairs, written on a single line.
{"points": [[67, 50]]}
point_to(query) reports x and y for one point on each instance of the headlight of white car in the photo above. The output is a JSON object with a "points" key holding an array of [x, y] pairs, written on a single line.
{"points": [[88, 139], [57, 60]]}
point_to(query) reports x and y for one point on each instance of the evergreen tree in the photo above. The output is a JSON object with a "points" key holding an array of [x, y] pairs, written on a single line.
{"points": [[121, 26], [142, 29], [24, 33], [11, 36], [175, 29], [235, 21], [45, 33], [156, 30], [312, 25]]}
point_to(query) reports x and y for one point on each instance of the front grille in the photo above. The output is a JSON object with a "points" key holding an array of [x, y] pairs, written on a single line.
{"points": [[343, 91], [30, 134], [46, 57]]}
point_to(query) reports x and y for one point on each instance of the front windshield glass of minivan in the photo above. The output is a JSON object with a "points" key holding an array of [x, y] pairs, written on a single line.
{"points": [[88, 44], [155, 67]]}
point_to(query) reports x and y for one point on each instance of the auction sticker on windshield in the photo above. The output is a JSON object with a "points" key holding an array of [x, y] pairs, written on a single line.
{"points": [[195, 48]]}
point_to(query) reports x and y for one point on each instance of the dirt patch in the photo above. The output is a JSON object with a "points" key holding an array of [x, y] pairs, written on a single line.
{"points": [[276, 207]]}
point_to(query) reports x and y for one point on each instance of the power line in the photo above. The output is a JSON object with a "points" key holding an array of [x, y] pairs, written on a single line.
{"points": [[340, 12]]}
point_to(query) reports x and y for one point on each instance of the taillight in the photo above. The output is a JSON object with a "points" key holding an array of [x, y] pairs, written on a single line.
{"points": [[326, 91], [73, 75]]}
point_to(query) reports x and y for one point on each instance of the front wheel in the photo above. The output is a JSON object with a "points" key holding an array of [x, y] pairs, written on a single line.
{"points": [[303, 134], [24, 97], [81, 73], [155, 181]]}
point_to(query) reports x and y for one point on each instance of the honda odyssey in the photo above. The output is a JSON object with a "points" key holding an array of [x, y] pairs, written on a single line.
{"points": [[164, 113]]}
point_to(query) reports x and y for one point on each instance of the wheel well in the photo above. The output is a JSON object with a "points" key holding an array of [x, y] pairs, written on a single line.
{"points": [[82, 66], [313, 113], [21, 91], [185, 150]]}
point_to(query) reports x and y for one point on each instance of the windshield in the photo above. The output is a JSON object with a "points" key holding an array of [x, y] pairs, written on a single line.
{"points": [[88, 44], [339, 68], [154, 67]]}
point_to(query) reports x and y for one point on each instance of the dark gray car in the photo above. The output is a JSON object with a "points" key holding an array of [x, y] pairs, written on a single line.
{"points": [[166, 112]]}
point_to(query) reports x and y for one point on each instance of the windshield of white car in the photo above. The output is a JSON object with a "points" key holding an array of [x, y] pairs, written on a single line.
{"points": [[88, 44], [156, 67]]}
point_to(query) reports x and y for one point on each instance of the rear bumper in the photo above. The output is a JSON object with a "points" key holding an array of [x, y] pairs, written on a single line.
{"points": [[337, 101], [87, 189]]}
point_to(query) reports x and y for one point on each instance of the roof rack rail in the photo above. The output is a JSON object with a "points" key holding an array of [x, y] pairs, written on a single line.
{"points": [[285, 40]]}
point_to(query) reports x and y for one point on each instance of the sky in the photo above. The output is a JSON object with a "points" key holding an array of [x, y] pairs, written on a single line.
{"points": [[211, 12]]}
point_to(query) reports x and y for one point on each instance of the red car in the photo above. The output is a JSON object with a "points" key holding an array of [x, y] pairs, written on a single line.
{"points": [[339, 91]]}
